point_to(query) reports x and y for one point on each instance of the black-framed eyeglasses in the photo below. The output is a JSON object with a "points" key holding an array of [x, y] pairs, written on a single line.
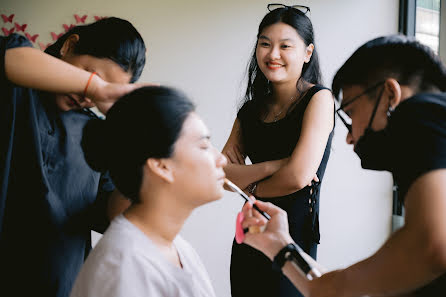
{"points": [[345, 118], [302, 8]]}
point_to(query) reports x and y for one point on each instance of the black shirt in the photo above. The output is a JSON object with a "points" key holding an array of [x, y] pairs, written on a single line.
{"points": [[271, 141], [277, 140], [49, 197], [418, 132], [417, 129]]}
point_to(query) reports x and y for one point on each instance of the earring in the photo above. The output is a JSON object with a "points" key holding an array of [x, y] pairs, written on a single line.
{"points": [[61, 53], [390, 110]]}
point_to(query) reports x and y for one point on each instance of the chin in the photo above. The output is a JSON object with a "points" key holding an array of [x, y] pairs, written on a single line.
{"points": [[275, 79], [217, 195]]}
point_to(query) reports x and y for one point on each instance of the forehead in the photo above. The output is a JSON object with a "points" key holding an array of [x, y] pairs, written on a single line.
{"points": [[107, 69], [280, 31], [194, 128]]}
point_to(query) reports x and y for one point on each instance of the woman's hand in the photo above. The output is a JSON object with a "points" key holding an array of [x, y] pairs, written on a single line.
{"points": [[234, 155], [315, 179], [105, 94]]}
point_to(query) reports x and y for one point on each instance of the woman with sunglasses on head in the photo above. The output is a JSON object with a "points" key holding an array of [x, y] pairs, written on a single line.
{"points": [[158, 153], [394, 106], [50, 199], [285, 127]]}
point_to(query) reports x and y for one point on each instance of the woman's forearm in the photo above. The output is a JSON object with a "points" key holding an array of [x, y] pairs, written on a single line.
{"points": [[244, 175], [31, 68], [285, 181]]}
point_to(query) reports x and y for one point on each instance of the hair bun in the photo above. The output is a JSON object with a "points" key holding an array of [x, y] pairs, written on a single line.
{"points": [[95, 144]]}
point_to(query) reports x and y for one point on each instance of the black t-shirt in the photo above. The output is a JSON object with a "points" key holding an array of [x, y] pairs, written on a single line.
{"points": [[418, 132], [417, 129], [50, 198]]}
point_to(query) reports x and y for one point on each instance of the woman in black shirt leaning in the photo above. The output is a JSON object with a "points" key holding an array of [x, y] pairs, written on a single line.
{"points": [[394, 106], [285, 128], [50, 198]]}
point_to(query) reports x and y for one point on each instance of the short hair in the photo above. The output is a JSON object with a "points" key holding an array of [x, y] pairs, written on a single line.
{"points": [[397, 56]]}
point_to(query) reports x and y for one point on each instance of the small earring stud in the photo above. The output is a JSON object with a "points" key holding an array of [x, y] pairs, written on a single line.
{"points": [[390, 110]]}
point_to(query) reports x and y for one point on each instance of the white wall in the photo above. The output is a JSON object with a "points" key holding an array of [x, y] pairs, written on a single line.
{"points": [[203, 48]]}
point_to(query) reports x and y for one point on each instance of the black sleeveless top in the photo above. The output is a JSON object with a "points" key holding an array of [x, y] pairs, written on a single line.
{"points": [[277, 140]]}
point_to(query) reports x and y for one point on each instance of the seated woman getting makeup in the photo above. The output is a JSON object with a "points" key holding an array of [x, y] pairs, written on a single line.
{"points": [[159, 155]]}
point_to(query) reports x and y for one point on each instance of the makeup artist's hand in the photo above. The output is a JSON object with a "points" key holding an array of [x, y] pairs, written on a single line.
{"points": [[105, 94], [276, 234]]}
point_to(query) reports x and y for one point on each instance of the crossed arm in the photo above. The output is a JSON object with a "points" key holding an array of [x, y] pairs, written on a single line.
{"points": [[287, 175]]}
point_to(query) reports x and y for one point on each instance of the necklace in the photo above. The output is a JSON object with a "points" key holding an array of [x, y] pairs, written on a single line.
{"points": [[276, 116]]}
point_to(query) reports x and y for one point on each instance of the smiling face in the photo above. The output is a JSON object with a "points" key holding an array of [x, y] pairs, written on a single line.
{"points": [[196, 164], [281, 53]]}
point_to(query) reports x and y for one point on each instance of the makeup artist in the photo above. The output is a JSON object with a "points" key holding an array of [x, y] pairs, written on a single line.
{"points": [[285, 127], [50, 199], [393, 104]]}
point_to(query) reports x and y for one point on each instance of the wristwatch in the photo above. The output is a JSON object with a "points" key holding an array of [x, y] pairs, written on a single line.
{"points": [[292, 252], [282, 256]]}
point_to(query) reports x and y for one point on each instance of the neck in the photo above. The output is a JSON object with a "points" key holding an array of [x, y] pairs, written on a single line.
{"points": [[283, 92], [159, 218]]}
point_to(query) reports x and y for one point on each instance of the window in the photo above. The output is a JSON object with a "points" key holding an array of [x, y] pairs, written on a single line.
{"points": [[422, 19], [427, 23]]}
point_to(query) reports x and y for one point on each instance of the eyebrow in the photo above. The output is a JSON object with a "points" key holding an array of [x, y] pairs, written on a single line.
{"points": [[264, 37]]}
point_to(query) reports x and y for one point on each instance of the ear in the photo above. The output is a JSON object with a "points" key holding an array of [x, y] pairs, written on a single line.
{"points": [[69, 45], [309, 52], [393, 91], [160, 168]]}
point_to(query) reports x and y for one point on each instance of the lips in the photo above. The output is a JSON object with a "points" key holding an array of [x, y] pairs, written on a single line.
{"points": [[222, 177], [273, 65]]}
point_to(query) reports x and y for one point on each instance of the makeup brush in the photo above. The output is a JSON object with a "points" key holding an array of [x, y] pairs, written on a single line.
{"points": [[246, 197]]}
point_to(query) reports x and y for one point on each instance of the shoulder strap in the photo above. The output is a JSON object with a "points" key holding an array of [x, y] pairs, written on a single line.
{"points": [[314, 89]]}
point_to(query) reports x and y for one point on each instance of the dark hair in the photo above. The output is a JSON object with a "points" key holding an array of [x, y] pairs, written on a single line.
{"points": [[258, 88], [112, 38], [143, 124], [397, 56]]}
